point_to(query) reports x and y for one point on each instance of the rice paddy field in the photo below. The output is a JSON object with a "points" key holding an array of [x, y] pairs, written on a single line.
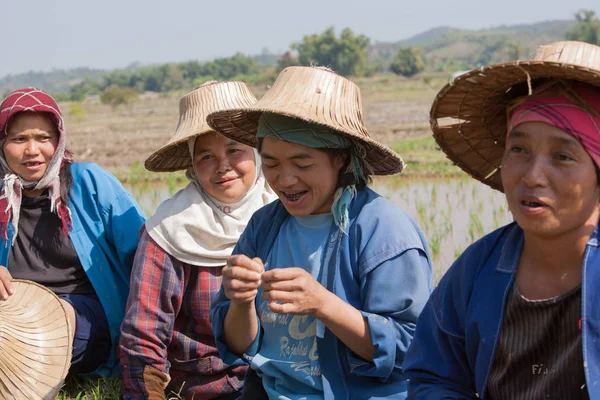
{"points": [[452, 209]]}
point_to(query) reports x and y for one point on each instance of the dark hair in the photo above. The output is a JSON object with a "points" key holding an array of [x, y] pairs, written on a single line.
{"points": [[597, 173], [66, 181], [347, 178]]}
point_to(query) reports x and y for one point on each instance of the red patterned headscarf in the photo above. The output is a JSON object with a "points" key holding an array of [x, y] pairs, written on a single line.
{"points": [[38, 101], [570, 106]]}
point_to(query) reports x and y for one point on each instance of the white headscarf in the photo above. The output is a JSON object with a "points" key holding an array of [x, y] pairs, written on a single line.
{"points": [[197, 229]]}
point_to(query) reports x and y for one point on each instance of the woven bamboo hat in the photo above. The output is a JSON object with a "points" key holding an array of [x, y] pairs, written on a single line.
{"points": [[316, 95], [476, 104], [193, 109], [35, 343]]}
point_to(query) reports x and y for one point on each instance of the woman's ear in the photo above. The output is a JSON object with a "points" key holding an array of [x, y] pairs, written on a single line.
{"points": [[340, 159]]}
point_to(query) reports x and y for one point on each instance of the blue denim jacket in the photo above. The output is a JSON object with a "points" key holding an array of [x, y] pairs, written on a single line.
{"points": [[105, 235], [382, 268], [452, 354]]}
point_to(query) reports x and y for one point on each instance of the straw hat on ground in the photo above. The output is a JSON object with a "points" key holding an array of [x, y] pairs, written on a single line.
{"points": [[35, 343], [476, 102], [193, 109], [316, 95]]}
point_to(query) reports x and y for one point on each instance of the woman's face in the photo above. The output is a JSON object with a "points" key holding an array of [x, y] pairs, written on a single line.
{"points": [[549, 180], [226, 169], [304, 178], [30, 144]]}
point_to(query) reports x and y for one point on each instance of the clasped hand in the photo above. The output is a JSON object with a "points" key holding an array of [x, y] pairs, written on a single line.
{"points": [[287, 290]]}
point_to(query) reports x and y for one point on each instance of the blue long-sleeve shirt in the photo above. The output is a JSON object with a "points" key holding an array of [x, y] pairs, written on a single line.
{"points": [[457, 335], [106, 221], [382, 268]]}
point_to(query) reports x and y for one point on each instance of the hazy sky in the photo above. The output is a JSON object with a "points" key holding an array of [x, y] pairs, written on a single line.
{"points": [[47, 34]]}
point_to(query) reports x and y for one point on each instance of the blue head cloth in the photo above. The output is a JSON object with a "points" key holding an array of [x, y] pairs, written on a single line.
{"points": [[316, 136]]}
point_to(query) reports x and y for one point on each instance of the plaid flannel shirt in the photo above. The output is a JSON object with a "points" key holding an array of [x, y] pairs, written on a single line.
{"points": [[167, 328]]}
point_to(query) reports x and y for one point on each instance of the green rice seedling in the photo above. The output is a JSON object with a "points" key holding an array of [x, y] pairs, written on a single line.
{"points": [[480, 206], [171, 183], [471, 233], [435, 242], [421, 212], [436, 239], [433, 197], [136, 173], [457, 252], [438, 273], [475, 222]]}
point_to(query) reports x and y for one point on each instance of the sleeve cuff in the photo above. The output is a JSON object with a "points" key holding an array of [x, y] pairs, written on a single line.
{"points": [[218, 316], [383, 339]]}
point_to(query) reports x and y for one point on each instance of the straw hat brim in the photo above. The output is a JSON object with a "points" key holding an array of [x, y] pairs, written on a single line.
{"points": [[241, 125], [476, 102], [35, 343], [193, 108], [173, 156]]}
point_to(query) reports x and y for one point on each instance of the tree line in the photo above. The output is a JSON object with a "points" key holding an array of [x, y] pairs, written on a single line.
{"points": [[346, 53]]}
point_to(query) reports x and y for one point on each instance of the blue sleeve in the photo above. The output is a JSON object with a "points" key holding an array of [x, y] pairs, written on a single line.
{"points": [[218, 311], [436, 363], [392, 318], [120, 214], [123, 220], [220, 306]]}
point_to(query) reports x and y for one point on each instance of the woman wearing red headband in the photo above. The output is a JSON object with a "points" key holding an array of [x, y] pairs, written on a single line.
{"points": [[516, 316]]}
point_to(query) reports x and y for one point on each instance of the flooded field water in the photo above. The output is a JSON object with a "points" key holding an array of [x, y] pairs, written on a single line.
{"points": [[453, 213]]}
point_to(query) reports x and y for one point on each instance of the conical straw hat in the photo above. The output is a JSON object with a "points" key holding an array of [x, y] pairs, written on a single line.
{"points": [[35, 343], [193, 109], [315, 95], [468, 116]]}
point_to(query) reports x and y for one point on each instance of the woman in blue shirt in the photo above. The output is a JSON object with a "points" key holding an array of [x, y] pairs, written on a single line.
{"points": [[69, 226], [322, 294], [516, 316]]}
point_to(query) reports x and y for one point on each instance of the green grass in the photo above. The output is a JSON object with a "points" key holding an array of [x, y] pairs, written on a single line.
{"points": [[92, 389], [136, 174], [98, 389], [423, 158]]}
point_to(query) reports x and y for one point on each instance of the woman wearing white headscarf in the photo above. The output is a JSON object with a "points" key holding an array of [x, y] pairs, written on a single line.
{"points": [[167, 341]]}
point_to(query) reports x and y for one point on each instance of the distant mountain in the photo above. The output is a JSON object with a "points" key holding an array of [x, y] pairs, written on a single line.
{"points": [[446, 48], [55, 81], [461, 48], [426, 37]]}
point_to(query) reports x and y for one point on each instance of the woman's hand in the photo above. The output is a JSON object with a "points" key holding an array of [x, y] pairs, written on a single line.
{"points": [[6, 286], [241, 278], [293, 291]]}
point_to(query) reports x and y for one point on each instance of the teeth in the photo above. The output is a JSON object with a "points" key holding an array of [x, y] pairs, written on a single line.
{"points": [[293, 197]]}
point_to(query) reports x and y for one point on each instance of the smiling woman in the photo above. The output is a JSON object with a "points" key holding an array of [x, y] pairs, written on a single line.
{"points": [[226, 169], [322, 293], [290, 169], [183, 250]]}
